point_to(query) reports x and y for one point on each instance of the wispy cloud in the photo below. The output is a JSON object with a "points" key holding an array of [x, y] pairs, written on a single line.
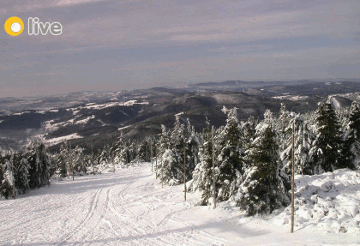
{"points": [[141, 42]]}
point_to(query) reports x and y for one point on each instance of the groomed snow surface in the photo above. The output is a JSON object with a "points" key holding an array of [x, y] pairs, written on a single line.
{"points": [[129, 207]]}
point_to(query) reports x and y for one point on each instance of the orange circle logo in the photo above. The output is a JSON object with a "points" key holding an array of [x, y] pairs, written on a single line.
{"points": [[14, 26]]}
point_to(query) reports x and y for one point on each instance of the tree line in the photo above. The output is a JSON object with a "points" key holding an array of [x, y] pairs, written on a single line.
{"points": [[248, 162]]}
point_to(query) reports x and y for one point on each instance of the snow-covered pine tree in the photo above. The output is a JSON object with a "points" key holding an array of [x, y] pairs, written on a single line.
{"points": [[60, 160], [21, 172], [104, 157], [283, 128], [203, 173], [248, 130], [78, 160], [164, 142], [133, 150], [351, 139], [144, 152], [172, 170], [168, 170], [230, 161], [4, 185], [282, 125], [328, 141], [7, 183], [117, 150], [125, 154], [263, 189], [192, 150], [304, 139], [40, 164]]}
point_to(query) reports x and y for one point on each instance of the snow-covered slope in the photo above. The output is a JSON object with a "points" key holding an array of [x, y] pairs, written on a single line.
{"points": [[130, 207], [327, 203]]}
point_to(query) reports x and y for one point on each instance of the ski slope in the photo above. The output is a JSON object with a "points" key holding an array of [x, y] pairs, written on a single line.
{"points": [[130, 207]]}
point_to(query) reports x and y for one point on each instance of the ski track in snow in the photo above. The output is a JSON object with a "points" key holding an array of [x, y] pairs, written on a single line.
{"points": [[129, 207], [108, 209]]}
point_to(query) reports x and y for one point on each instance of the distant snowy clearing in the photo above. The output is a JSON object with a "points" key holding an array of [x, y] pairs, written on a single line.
{"points": [[54, 141], [130, 207]]}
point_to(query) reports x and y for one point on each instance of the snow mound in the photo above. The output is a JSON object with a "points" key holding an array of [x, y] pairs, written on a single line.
{"points": [[328, 202]]}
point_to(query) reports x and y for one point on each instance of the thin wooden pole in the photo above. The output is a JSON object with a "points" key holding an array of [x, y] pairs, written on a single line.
{"points": [[213, 166], [72, 161], [92, 158], [156, 174], [13, 185], [151, 156], [292, 179], [185, 173], [162, 175]]}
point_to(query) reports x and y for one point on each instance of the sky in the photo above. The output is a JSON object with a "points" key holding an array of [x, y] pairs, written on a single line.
{"points": [[114, 45]]}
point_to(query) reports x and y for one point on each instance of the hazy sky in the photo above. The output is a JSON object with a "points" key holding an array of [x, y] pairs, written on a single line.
{"points": [[116, 45]]}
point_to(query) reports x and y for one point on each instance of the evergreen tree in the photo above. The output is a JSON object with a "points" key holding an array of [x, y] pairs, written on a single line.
{"points": [[125, 154], [192, 151], [203, 174], [78, 161], [60, 160], [104, 157], [264, 188], [169, 169], [230, 157], [145, 150], [40, 164], [248, 130], [172, 167], [328, 142], [21, 172], [6, 187], [351, 142], [118, 151]]}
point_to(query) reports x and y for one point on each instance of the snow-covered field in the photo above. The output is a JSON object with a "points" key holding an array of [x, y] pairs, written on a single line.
{"points": [[130, 207]]}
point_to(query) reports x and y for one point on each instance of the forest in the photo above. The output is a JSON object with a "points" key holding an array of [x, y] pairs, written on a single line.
{"points": [[248, 162]]}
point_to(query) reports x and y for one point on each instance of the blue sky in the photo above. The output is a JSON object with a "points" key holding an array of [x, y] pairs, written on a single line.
{"points": [[115, 45]]}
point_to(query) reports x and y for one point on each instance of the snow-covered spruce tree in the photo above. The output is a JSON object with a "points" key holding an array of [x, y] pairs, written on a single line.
{"points": [[351, 139], [230, 161], [144, 152], [167, 169], [104, 157], [264, 188], [328, 141], [40, 164], [7, 179], [303, 140], [164, 142], [203, 173], [21, 172], [78, 161], [283, 125], [192, 150], [162, 145], [171, 150], [4, 185], [60, 160], [283, 128], [248, 130], [133, 150], [172, 170], [117, 151], [125, 154]]}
